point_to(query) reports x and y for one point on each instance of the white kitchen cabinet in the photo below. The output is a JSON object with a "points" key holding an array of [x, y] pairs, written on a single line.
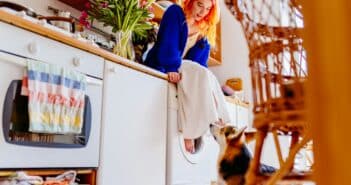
{"points": [[239, 114], [242, 113], [231, 107], [133, 147]]}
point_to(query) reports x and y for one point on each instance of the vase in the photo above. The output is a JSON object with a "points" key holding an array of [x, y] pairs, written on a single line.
{"points": [[124, 45]]}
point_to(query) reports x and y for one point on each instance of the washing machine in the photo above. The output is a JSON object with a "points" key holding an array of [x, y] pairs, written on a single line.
{"points": [[200, 168], [184, 168]]}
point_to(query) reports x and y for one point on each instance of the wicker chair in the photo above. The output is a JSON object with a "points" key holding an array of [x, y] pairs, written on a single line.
{"points": [[279, 70]]}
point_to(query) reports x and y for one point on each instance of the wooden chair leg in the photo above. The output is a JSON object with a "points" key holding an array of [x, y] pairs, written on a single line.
{"points": [[253, 171], [277, 147], [279, 174], [294, 140]]}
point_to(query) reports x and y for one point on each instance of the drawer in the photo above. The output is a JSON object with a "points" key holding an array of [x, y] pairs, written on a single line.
{"points": [[25, 43]]}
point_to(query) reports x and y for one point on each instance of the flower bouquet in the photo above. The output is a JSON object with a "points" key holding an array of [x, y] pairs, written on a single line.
{"points": [[128, 19]]}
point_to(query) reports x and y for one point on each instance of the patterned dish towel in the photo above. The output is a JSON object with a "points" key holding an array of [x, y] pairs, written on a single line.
{"points": [[56, 98], [67, 178], [21, 178]]}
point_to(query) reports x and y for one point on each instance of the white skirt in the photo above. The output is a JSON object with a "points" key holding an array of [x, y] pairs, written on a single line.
{"points": [[200, 99]]}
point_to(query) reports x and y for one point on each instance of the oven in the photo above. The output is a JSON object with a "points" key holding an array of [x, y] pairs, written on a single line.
{"points": [[20, 148]]}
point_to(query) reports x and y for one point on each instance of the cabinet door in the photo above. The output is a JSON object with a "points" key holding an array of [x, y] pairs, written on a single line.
{"points": [[133, 150], [242, 116], [231, 107]]}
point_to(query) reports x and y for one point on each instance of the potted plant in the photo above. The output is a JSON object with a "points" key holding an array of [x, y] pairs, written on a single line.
{"points": [[128, 18]]}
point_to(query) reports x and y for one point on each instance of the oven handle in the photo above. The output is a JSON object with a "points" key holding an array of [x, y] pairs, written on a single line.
{"points": [[23, 62]]}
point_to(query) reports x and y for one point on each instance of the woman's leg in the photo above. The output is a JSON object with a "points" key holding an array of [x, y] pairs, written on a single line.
{"points": [[211, 104]]}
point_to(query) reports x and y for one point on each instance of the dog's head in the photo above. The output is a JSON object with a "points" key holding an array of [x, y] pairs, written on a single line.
{"points": [[234, 156], [228, 135], [232, 160]]}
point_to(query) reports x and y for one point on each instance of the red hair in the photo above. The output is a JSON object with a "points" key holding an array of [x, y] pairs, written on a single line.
{"points": [[207, 25]]}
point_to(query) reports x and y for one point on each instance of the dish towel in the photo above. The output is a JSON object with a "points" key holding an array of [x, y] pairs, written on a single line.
{"points": [[56, 98], [67, 178], [200, 99], [21, 178]]}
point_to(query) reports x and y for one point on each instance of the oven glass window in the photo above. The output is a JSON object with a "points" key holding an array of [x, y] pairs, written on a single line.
{"points": [[16, 123]]}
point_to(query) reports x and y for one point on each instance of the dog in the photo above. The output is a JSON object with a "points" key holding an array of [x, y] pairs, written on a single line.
{"points": [[234, 157]]}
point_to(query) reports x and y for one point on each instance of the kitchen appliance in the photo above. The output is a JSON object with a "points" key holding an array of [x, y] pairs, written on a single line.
{"points": [[200, 168], [184, 168], [15, 121], [45, 150]]}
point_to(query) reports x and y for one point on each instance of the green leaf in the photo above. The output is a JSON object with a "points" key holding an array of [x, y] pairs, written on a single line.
{"points": [[125, 15]]}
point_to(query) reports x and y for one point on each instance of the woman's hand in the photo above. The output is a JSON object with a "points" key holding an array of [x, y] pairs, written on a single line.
{"points": [[174, 77]]}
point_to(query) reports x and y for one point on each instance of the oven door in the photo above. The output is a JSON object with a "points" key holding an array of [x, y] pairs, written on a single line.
{"points": [[19, 149]]}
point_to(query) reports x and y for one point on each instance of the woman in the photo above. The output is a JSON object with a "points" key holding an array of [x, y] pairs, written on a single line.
{"points": [[184, 36]]}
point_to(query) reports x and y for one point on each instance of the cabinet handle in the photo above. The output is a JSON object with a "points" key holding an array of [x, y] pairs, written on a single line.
{"points": [[76, 61], [33, 48], [21, 14], [113, 70]]}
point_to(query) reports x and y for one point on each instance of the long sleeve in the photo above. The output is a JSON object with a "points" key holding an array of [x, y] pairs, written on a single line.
{"points": [[166, 55], [169, 39]]}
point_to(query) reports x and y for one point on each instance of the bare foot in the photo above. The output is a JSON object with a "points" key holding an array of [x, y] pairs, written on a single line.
{"points": [[189, 145]]}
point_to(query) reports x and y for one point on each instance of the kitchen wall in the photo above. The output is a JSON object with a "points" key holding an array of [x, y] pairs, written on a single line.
{"points": [[235, 61], [41, 7], [235, 54]]}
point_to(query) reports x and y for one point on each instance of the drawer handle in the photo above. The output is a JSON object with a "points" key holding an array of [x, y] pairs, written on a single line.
{"points": [[113, 70], [76, 61], [33, 48], [21, 13]]}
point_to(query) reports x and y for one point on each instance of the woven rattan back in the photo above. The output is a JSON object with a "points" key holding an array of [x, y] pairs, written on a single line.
{"points": [[278, 70], [277, 57]]}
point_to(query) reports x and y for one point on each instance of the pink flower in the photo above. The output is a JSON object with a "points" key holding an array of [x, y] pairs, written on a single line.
{"points": [[84, 15], [83, 19], [151, 9], [104, 4], [143, 3], [87, 5], [87, 25]]}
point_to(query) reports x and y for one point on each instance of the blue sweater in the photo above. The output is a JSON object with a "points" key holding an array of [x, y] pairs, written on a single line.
{"points": [[166, 55]]}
